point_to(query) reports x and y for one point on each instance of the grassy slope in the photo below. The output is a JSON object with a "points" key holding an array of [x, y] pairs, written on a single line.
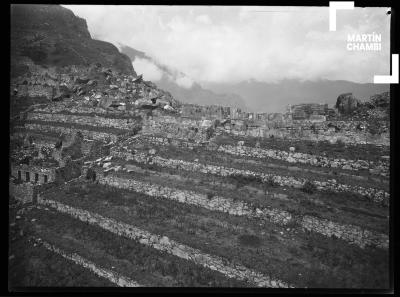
{"points": [[304, 259]]}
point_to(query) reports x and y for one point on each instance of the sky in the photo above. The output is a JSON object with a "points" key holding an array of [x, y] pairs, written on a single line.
{"points": [[230, 44]]}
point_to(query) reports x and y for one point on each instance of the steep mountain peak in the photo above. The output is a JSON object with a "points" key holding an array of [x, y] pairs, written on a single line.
{"points": [[51, 35]]}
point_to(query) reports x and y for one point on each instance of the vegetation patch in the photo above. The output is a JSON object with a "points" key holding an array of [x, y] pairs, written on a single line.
{"points": [[250, 240], [309, 188]]}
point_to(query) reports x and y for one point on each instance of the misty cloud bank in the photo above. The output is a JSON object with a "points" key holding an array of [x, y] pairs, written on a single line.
{"points": [[149, 70], [233, 44], [152, 72]]}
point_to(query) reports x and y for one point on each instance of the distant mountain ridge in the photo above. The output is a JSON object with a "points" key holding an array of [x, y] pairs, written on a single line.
{"points": [[274, 97], [258, 96], [195, 94]]}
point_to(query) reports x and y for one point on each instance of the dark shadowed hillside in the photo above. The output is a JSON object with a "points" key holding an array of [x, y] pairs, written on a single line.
{"points": [[52, 35]]}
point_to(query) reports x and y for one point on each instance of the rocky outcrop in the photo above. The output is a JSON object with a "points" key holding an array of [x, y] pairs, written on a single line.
{"points": [[380, 100], [347, 103]]}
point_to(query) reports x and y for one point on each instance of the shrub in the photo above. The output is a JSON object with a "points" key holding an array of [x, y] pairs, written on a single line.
{"points": [[374, 127], [209, 132], [242, 180], [250, 240], [271, 182], [340, 142], [91, 174], [309, 187]]}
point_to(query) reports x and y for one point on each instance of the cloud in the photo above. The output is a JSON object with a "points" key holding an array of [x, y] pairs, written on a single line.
{"points": [[148, 69], [185, 82], [231, 43], [203, 19]]}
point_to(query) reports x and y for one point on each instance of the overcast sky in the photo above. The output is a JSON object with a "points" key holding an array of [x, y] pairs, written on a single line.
{"points": [[232, 44]]}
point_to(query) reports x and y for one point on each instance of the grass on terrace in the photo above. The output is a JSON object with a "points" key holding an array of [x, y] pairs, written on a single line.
{"points": [[356, 206], [143, 264], [300, 258], [33, 266], [344, 208], [276, 167], [339, 150]]}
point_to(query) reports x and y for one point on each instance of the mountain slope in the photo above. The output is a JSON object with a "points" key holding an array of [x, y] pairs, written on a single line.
{"points": [[195, 94], [52, 35]]}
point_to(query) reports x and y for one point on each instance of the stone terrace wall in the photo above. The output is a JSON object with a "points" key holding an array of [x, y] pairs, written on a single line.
{"points": [[68, 108], [308, 130], [35, 91], [24, 192], [175, 127], [215, 203], [127, 124], [112, 276], [39, 143], [375, 195], [381, 167], [102, 136], [352, 234], [168, 245]]}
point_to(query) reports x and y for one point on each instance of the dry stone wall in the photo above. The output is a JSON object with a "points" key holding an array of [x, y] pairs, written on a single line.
{"points": [[112, 276], [349, 137], [375, 195], [127, 124], [215, 203], [101, 136], [381, 167], [35, 91], [24, 192], [81, 108], [43, 175], [351, 234], [168, 245], [175, 127]]}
